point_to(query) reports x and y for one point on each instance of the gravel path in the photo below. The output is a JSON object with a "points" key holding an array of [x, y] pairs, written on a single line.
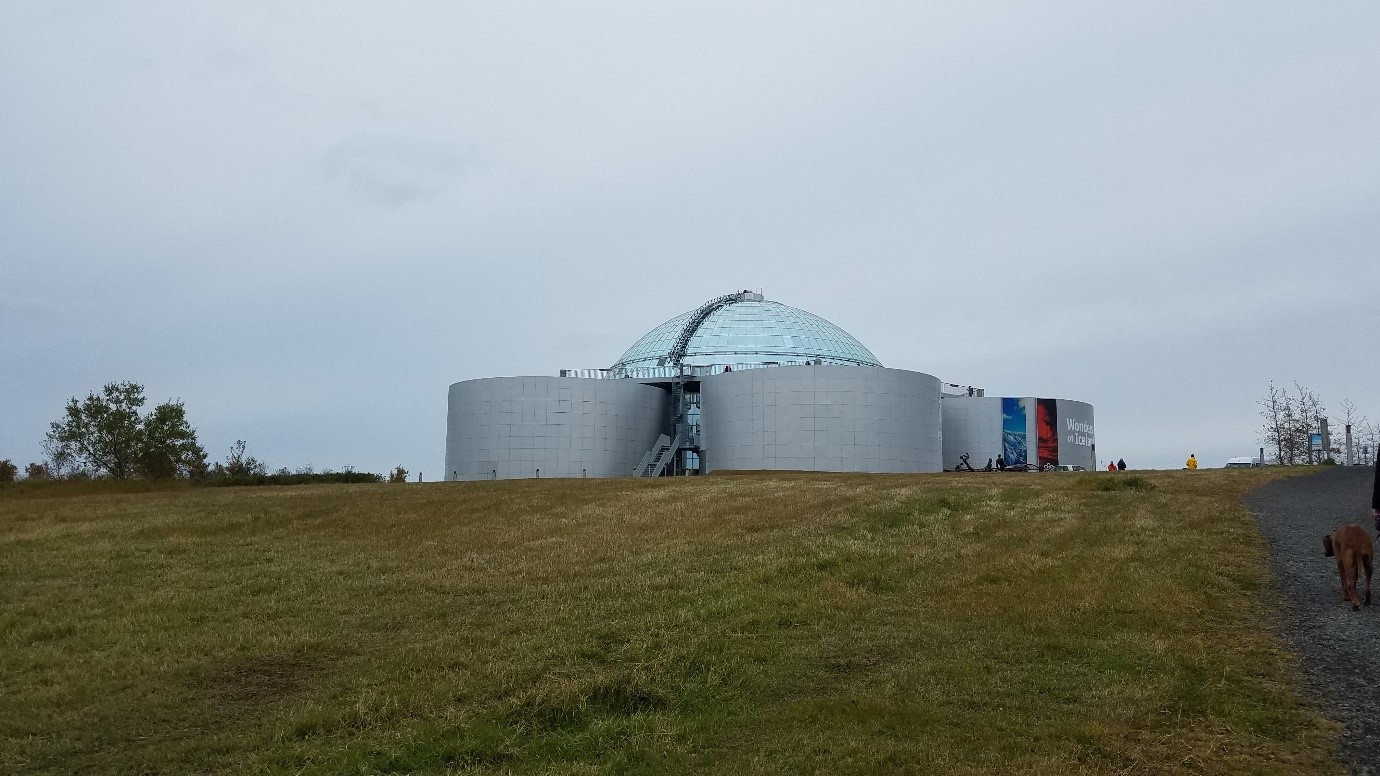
{"points": [[1339, 649]]}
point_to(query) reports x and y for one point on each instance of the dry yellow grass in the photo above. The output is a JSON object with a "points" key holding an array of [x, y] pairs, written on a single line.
{"points": [[967, 624]]}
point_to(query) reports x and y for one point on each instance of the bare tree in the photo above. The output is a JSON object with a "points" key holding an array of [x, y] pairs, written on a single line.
{"points": [[1352, 419], [1274, 408], [1310, 415], [1367, 438], [1290, 422], [1349, 414]]}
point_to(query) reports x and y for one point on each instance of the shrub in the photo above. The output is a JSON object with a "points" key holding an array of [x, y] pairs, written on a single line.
{"points": [[295, 478], [1130, 482], [240, 464]]}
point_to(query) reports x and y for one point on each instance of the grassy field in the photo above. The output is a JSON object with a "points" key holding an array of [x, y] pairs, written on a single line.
{"points": [[957, 624]]}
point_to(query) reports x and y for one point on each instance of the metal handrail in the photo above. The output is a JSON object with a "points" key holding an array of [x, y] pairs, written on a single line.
{"points": [[697, 319]]}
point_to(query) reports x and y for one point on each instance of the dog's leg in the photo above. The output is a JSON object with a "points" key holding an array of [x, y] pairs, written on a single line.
{"points": [[1345, 570], [1366, 560], [1353, 572], [1341, 573]]}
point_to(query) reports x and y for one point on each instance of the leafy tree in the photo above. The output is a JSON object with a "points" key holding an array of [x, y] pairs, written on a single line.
{"points": [[107, 435], [168, 445], [36, 471], [399, 475], [101, 433], [8, 470]]}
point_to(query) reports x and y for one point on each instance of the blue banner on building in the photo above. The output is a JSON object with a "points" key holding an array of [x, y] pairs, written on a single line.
{"points": [[1013, 424]]}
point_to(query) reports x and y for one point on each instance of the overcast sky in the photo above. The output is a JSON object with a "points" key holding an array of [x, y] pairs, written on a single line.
{"points": [[305, 220]]}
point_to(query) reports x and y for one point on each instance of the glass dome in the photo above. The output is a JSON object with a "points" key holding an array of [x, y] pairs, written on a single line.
{"points": [[750, 330]]}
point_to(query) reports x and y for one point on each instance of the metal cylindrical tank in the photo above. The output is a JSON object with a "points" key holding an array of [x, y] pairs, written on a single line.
{"points": [[515, 427], [821, 418]]}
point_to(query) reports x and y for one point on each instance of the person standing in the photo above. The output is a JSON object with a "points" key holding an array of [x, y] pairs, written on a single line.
{"points": [[1191, 463], [1375, 496]]}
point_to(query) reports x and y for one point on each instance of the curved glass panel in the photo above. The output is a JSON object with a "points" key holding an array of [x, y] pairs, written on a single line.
{"points": [[751, 332]]}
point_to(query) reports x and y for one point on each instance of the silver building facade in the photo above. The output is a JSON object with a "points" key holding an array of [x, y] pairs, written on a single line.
{"points": [[516, 427], [822, 418], [742, 383]]}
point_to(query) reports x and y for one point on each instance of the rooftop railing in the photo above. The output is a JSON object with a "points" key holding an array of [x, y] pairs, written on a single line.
{"points": [[655, 372], [954, 389], [668, 372]]}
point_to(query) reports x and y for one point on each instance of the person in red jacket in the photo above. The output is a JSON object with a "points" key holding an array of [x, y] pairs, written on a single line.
{"points": [[1111, 466]]}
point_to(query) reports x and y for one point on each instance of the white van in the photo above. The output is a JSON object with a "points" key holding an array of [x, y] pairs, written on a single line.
{"points": [[1242, 462]]}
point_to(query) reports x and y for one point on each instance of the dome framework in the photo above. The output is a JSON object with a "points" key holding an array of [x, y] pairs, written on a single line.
{"points": [[747, 329]]}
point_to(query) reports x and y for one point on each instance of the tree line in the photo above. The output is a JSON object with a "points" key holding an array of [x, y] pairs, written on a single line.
{"points": [[109, 436], [1293, 418]]}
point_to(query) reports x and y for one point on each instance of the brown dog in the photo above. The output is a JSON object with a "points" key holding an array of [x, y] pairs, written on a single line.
{"points": [[1351, 544]]}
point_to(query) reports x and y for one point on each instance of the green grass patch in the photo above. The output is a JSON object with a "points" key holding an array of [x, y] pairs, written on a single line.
{"points": [[966, 624]]}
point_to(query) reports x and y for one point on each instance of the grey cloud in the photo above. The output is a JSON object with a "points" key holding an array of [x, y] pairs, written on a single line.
{"points": [[1144, 209], [11, 304], [394, 171]]}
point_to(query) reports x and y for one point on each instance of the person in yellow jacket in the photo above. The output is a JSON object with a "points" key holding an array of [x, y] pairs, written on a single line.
{"points": [[1191, 463]]}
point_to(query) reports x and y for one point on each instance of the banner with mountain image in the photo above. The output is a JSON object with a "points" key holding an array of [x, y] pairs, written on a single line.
{"points": [[1013, 425]]}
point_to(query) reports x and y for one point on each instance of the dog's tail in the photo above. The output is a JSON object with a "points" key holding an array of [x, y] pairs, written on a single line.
{"points": [[1327, 546]]}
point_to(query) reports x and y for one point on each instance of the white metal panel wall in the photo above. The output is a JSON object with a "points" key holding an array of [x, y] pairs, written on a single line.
{"points": [[821, 418], [972, 425], [513, 427], [1077, 442]]}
